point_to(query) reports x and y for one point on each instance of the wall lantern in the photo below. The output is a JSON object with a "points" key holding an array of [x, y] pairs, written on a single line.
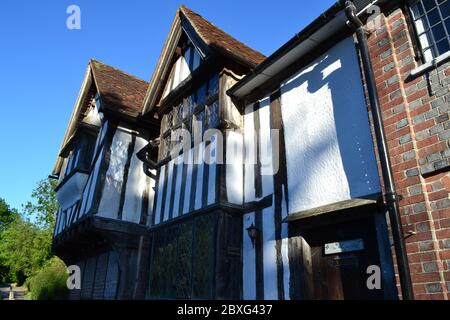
{"points": [[252, 233]]}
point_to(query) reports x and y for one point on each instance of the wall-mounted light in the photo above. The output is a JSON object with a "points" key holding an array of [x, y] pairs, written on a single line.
{"points": [[253, 233]]}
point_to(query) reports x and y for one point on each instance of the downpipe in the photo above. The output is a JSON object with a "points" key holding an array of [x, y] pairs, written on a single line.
{"points": [[390, 195]]}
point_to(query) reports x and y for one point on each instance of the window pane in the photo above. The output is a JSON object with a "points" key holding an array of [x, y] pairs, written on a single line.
{"points": [[170, 118], [203, 256], [198, 126], [428, 55], [445, 9], [212, 116], [164, 124], [188, 106], [187, 125], [177, 115], [184, 263], [417, 10], [438, 32], [425, 40], [447, 25], [443, 46], [163, 269], [433, 17], [421, 25], [429, 4]]}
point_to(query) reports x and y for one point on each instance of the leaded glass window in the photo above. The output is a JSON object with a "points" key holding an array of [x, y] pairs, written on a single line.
{"points": [[196, 113], [432, 23], [182, 263]]}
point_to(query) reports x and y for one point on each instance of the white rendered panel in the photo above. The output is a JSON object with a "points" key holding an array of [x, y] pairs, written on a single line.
{"points": [[161, 183], [248, 260], [109, 203], [329, 151]]}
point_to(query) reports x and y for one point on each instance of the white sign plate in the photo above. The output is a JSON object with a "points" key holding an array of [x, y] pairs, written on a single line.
{"points": [[344, 246]]}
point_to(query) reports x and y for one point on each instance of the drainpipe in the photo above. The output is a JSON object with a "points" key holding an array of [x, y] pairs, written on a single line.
{"points": [[390, 195]]}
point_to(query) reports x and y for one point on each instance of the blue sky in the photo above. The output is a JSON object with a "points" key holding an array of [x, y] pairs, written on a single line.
{"points": [[42, 63]]}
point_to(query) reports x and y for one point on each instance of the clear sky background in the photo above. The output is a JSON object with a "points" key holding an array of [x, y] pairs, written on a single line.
{"points": [[42, 63]]}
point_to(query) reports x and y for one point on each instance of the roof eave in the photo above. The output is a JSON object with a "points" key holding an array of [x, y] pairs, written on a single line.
{"points": [[304, 38], [86, 85], [329, 23]]}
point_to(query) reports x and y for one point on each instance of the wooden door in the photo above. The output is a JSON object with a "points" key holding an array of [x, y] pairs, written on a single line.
{"points": [[336, 274], [339, 276]]}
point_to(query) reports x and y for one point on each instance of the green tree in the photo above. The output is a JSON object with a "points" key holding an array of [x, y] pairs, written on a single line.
{"points": [[25, 241], [24, 249], [44, 206], [7, 215], [50, 282]]}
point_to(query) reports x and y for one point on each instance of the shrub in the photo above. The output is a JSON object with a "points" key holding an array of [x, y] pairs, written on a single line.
{"points": [[50, 282]]}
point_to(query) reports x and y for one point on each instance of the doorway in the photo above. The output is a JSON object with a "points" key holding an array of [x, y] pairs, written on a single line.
{"points": [[336, 259]]}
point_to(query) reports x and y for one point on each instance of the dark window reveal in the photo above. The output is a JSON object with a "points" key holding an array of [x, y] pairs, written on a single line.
{"points": [[80, 157]]}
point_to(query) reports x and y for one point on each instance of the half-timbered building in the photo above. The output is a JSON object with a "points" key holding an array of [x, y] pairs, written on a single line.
{"points": [[104, 193], [298, 176], [199, 199]]}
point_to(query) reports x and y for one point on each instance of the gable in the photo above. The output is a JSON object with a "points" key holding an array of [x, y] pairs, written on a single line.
{"points": [[172, 69], [186, 60], [120, 93]]}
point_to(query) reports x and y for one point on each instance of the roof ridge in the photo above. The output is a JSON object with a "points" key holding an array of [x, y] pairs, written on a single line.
{"points": [[117, 69]]}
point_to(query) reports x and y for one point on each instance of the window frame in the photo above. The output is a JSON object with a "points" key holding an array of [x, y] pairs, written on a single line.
{"points": [[419, 49], [211, 98]]}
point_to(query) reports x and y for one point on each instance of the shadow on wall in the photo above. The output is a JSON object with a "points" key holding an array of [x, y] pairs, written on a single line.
{"points": [[336, 154]]}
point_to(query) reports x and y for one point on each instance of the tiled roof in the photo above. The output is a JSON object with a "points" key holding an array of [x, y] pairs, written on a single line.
{"points": [[119, 91], [216, 37]]}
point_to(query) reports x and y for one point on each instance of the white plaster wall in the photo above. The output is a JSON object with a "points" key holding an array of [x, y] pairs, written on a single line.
{"points": [[178, 182], [136, 186], [188, 182], [211, 150], [109, 203], [151, 197], [265, 151], [234, 167], [329, 151], [168, 185], [200, 168], [269, 254], [161, 182], [248, 260], [250, 154]]}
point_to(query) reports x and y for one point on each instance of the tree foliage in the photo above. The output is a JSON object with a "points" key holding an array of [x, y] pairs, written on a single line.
{"points": [[50, 282], [24, 249], [25, 239], [7, 215], [44, 207]]}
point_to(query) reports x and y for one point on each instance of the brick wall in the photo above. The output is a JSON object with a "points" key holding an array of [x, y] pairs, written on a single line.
{"points": [[416, 120]]}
